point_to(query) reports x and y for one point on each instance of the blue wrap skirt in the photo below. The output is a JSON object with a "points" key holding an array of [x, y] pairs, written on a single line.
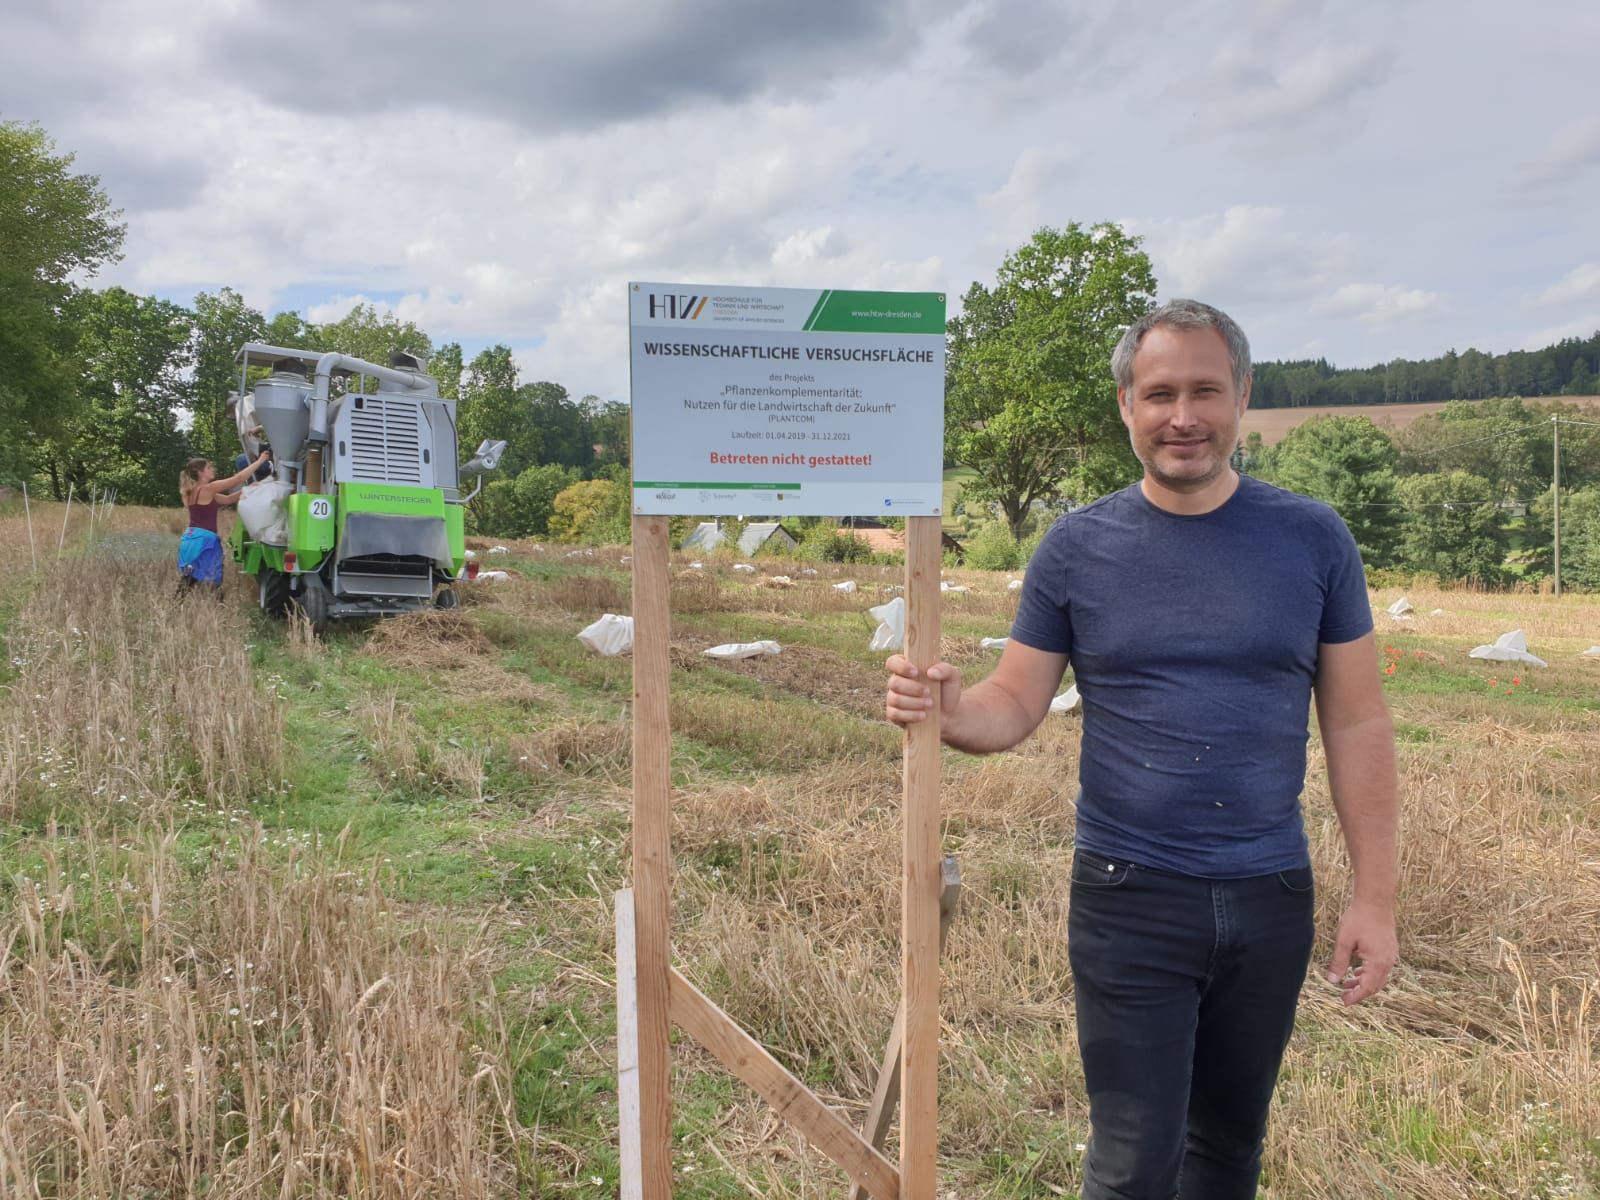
{"points": [[200, 557]]}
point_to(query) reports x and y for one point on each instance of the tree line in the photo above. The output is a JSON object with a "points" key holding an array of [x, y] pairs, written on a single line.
{"points": [[1571, 367], [110, 389], [107, 389], [1463, 494]]}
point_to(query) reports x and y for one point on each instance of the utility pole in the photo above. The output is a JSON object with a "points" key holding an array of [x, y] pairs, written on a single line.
{"points": [[1555, 487]]}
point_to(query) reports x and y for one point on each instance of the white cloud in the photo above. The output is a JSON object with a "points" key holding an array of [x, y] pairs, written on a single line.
{"points": [[1572, 153], [1580, 283], [1248, 254], [1025, 201], [1374, 302], [1586, 326]]}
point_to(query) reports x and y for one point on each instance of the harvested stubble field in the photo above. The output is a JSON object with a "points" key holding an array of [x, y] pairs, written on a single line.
{"points": [[289, 918], [1274, 424]]}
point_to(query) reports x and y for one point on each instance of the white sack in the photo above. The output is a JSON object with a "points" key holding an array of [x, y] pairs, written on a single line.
{"points": [[946, 586], [610, 635], [849, 585], [994, 643], [891, 631], [264, 510], [744, 650], [808, 571], [1066, 702], [1508, 647], [744, 567], [697, 566], [1399, 608], [494, 576], [495, 551], [1014, 586], [1592, 652], [780, 581]]}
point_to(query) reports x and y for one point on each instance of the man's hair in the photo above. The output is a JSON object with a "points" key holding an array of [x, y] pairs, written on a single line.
{"points": [[1185, 315]]}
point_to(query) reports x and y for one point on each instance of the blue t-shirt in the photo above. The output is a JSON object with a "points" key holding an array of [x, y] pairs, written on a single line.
{"points": [[1193, 640]]}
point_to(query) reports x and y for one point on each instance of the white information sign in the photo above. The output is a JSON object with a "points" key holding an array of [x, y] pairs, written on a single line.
{"points": [[786, 400]]}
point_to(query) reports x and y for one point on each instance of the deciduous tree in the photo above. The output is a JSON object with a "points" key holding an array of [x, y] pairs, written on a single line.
{"points": [[53, 224], [1029, 400], [1454, 527], [1347, 462]]}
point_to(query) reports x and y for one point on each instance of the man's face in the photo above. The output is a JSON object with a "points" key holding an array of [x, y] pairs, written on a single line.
{"points": [[1182, 410]]}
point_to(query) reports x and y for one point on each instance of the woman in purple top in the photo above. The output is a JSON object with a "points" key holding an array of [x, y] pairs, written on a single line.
{"points": [[200, 551]]}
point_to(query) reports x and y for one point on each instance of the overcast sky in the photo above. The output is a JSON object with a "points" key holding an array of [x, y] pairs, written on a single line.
{"points": [[1351, 179]]}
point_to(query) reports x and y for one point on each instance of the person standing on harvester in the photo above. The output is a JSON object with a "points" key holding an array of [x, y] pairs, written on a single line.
{"points": [[1199, 610]]}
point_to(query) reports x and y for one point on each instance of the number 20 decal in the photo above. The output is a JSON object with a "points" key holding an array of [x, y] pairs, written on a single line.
{"points": [[321, 510]]}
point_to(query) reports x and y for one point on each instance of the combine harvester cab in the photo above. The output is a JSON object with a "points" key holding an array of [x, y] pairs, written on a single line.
{"points": [[363, 515]]}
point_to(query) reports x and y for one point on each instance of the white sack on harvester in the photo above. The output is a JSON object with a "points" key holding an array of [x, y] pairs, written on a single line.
{"points": [[263, 507]]}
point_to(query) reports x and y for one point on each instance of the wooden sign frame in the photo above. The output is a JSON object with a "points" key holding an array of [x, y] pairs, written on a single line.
{"points": [[652, 995]]}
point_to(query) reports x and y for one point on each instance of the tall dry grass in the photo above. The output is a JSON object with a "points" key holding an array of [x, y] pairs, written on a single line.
{"points": [[192, 1005], [128, 694], [252, 1028]]}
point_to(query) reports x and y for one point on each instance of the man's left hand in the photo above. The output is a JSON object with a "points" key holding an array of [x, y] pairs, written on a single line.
{"points": [[1364, 952]]}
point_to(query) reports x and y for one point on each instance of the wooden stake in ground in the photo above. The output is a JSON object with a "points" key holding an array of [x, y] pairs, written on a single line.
{"points": [[651, 994], [65, 517], [652, 851], [886, 1093], [628, 1133], [919, 912], [28, 509]]}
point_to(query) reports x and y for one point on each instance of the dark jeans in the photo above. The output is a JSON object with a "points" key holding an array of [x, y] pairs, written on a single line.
{"points": [[1186, 990]]}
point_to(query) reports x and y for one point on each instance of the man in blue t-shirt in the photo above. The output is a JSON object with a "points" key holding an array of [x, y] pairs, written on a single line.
{"points": [[1199, 611]]}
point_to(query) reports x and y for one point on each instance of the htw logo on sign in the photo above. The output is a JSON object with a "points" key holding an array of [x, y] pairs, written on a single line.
{"points": [[677, 307]]}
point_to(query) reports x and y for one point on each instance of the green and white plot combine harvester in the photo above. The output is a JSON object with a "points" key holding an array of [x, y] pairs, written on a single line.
{"points": [[363, 514]]}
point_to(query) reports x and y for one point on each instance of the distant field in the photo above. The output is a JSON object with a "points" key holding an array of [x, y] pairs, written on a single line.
{"points": [[1273, 423]]}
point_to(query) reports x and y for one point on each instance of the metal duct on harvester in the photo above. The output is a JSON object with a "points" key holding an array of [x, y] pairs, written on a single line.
{"points": [[282, 404]]}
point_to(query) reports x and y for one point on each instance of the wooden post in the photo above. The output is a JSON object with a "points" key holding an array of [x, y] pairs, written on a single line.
{"points": [[919, 911], [1555, 492], [27, 507], [629, 1135], [652, 854], [886, 1092], [65, 517]]}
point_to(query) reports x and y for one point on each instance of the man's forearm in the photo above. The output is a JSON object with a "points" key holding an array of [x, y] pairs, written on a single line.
{"points": [[987, 719], [1365, 787]]}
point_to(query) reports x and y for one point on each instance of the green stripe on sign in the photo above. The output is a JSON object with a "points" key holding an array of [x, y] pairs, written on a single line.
{"points": [[722, 487], [816, 308], [878, 312]]}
